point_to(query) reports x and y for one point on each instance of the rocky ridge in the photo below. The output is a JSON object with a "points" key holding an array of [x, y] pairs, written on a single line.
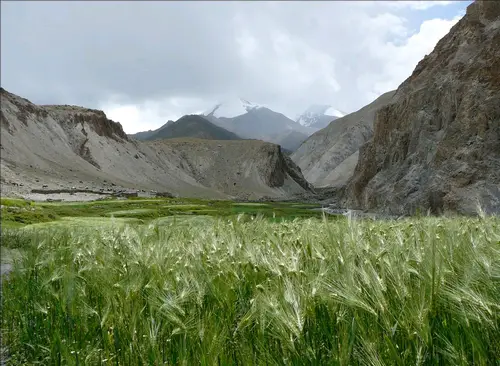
{"points": [[436, 147]]}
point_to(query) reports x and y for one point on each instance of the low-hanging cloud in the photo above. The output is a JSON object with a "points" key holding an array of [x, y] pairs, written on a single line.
{"points": [[147, 62]]}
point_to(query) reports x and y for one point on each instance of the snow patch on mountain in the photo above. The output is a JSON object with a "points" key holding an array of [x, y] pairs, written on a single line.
{"points": [[334, 112], [231, 108], [317, 113]]}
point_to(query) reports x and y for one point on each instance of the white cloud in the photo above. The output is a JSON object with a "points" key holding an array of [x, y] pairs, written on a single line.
{"points": [[399, 61], [152, 114], [416, 5]]}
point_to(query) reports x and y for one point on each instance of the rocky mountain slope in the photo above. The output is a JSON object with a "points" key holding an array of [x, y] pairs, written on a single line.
{"points": [[59, 147], [437, 145], [319, 116], [193, 126], [329, 156]]}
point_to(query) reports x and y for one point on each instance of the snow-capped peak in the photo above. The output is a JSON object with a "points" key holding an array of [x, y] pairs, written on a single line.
{"points": [[231, 108], [318, 114]]}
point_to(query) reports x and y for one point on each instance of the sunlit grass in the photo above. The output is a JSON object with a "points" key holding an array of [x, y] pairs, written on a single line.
{"points": [[131, 212], [202, 290]]}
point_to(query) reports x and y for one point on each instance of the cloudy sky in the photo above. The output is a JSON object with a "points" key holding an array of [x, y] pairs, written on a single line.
{"points": [[146, 62]]}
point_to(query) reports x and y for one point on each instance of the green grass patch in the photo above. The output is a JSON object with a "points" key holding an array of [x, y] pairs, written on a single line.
{"points": [[240, 290], [16, 216], [14, 202], [19, 213]]}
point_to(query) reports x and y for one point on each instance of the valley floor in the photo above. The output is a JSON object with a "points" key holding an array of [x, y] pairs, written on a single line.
{"points": [[177, 281]]}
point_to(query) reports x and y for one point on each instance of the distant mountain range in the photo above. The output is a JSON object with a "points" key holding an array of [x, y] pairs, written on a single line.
{"points": [[253, 121], [240, 118]]}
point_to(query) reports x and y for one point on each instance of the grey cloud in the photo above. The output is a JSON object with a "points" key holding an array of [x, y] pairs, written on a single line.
{"points": [[88, 53], [140, 50]]}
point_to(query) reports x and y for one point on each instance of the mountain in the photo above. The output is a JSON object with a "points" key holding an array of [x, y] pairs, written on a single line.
{"points": [[436, 146], [318, 116], [194, 126], [328, 157], [64, 146], [245, 120], [262, 123], [252, 121]]}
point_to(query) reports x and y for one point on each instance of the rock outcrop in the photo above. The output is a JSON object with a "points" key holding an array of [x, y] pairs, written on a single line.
{"points": [[328, 157], [60, 147], [437, 145], [95, 119]]}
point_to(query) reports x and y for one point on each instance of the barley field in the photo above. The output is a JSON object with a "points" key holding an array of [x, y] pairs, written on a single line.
{"points": [[242, 290]]}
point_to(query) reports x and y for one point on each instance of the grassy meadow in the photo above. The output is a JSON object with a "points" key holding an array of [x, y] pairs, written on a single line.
{"points": [[18, 212], [191, 282]]}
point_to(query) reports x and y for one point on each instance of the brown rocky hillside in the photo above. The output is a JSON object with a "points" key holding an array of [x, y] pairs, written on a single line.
{"points": [[437, 145]]}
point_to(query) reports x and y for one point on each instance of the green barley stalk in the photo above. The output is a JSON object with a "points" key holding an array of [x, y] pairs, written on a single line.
{"points": [[242, 291]]}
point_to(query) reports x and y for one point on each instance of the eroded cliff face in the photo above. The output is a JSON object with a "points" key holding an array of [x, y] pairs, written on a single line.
{"points": [[280, 167], [92, 118], [437, 145]]}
